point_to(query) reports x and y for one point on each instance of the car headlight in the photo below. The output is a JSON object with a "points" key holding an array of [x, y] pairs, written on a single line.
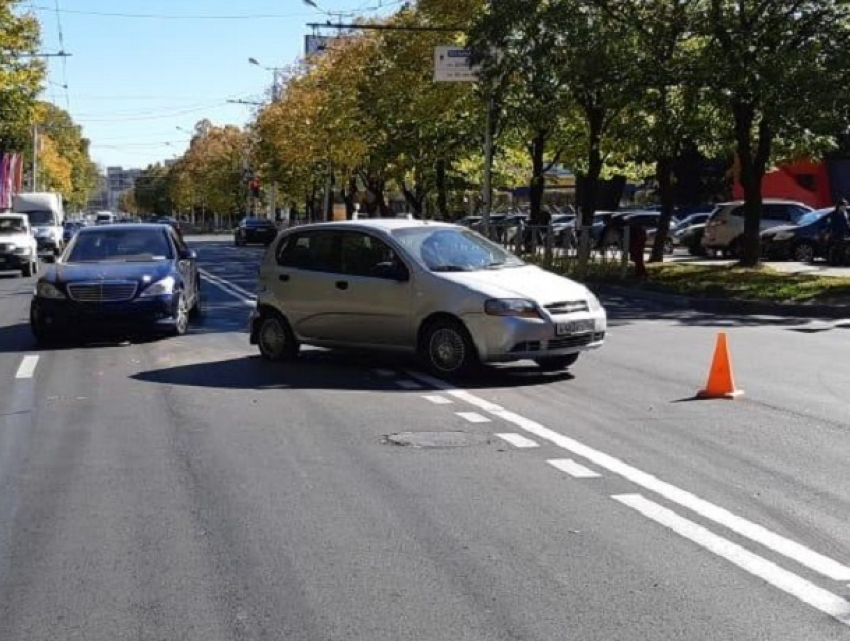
{"points": [[22, 251], [512, 307], [783, 235], [593, 303], [159, 288], [48, 290]]}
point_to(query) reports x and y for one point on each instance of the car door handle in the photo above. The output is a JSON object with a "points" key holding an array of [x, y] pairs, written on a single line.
{"points": [[342, 284], [283, 277]]}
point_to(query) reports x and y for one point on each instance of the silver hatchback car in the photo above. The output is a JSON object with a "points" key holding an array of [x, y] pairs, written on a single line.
{"points": [[440, 290]]}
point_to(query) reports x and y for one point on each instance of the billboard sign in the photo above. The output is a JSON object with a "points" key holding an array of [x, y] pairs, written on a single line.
{"points": [[454, 64]]}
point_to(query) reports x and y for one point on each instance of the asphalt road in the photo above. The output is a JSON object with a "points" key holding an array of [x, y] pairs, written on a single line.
{"points": [[183, 489]]}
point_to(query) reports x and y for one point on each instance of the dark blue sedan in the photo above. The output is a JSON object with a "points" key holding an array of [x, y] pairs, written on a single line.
{"points": [[123, 277], [802, 242]]}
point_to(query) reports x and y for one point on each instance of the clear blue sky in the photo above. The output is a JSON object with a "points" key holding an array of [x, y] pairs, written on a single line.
{"points": [[141, 69]]}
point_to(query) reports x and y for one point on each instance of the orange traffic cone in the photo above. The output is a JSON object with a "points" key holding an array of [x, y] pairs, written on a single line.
{"points": [[721, 383]]}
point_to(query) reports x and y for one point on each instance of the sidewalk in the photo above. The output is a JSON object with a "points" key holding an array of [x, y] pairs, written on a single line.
{"points": [[819, 268]]}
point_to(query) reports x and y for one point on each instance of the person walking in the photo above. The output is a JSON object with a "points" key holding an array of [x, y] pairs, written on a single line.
{"points": [[839, 229]]}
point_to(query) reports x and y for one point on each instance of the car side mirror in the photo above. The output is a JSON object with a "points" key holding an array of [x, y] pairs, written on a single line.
{"points": [[189, 254], [391, 271]]}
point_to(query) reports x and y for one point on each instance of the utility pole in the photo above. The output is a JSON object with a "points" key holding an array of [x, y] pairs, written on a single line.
{"points": [[35, 156], [488, 165]]}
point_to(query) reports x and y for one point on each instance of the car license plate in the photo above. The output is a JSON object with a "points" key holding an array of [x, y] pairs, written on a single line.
{"points": [[575, 327]]}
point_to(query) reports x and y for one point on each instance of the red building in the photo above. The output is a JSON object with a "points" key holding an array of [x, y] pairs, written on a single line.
{"points": [[812, 183]]}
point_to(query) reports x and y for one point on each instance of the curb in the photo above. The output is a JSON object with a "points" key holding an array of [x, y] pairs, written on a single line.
{"points": [[729, 305]]}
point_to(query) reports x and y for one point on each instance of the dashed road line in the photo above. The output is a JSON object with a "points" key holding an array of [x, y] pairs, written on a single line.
{"points": [[473, 417], [803, 555], [576, 470], [438, 400], [518, 440], [788, 582], [27, 367]]}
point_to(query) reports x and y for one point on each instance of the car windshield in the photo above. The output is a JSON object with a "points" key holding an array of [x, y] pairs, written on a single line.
{"points": [[40, 217], [119, 245], [11, 226], [448, 249], [812, 217]]}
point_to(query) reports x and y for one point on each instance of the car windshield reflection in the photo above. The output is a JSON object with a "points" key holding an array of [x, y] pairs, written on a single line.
{"points": [[443, 249], [137, 245]]}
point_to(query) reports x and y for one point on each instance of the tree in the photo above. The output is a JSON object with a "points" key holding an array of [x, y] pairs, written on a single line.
{"points": [[127, 202], [779, 72], [21, 74], [152, 190], [212, 171], [671, 111]]}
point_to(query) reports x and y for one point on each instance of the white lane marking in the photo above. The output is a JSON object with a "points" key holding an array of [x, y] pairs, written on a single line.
{"points": [[234, 290], [576, 470], [383, 372], [438, 400], [791, 549], [788, 582], [473, 417], [27, 367], [404, 384], [247, 302], [518, 440]]}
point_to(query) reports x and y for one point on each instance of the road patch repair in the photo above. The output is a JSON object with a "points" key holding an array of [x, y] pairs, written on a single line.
{"points": [[436, 440]]}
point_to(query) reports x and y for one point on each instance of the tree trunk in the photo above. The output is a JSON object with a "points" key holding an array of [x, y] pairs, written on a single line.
{"points": [[596, 121], [538, 179], [442, 191], [752, 169], [664, 176], [413, 198], [349, 194]]}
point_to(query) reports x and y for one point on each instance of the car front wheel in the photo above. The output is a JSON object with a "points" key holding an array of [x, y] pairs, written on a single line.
{"points": [[448, 349], [181, 316]]}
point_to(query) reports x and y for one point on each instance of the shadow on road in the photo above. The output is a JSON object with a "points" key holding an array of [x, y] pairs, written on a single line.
{"points": [[334, 370]]}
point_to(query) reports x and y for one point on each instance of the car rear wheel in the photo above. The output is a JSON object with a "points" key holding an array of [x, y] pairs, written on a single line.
{"points": [[556, 363], [276, 339], [447, 348], [804, 252]]}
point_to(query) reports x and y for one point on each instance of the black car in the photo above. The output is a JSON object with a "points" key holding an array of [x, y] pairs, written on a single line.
{"points": [[124, 276], [260, 231], [802, 242]]}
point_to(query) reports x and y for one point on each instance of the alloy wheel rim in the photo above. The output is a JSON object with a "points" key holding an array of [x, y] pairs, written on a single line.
{"points": [[272, 337], [182, 315], [447, 350]]}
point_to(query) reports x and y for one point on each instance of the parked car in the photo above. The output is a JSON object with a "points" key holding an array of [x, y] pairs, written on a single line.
{"points": [[255, 231], [132, 276], [171, 222], [724, 231], [69, 229], [439, 290], [802, 242], [18, 246]]}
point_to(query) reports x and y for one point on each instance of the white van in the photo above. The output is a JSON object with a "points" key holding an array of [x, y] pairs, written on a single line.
{"points": [[46, 214], [105, 218], [724, 231]]}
